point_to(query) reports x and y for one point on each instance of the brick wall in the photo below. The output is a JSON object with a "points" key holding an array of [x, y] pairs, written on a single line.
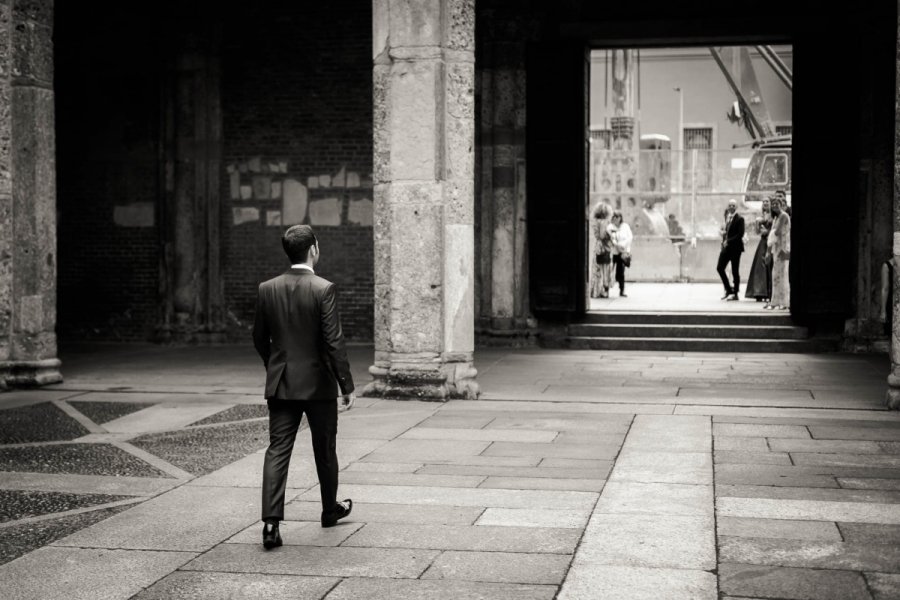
{"points": [[107, 124], [297, 105]]}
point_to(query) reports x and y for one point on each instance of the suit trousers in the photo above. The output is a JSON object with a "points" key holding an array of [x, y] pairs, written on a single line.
{"points": [[732, 255], [284, 421]]}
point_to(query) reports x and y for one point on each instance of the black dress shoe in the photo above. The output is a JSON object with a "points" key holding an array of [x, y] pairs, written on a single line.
{"points": [[271, 536], [343, 509]]}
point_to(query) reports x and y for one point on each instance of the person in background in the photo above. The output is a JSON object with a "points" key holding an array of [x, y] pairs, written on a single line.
{"points": [[621, 235], [601, 266], [732, 248], [779, 245], [759, 283]]}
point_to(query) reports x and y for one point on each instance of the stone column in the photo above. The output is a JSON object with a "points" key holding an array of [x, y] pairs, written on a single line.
{"points": [[504, 246], [424, 195], [27, 196], [893, 393], [190, 270]]}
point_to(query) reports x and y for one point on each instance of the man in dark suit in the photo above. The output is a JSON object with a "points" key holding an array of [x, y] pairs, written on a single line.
{"points": [[732, 247], [297, 333]]}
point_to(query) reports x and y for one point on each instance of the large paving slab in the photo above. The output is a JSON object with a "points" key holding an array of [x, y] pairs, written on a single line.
{"points": [[315, 560], [555, 450], [367, 512], [870, 533], [480, 539], [879, 461], [752, 458], [425, 450], [86, 484], [543, 483], [591, 581], [884, 586], [195, 520], [848, 556], [656, 499], [798, 413], [534, 517], [599, 424], [401, 589], [765, 431], [639, 540], [488, 435], [500, 567], [543, 406], [383, 425], [778, 529], [86, 573], [824, 432], [650, 433], [411, 479], [809, 510], [213, 586], [825, 446], [384, 494], [163, 417], [800, 493], [599, 472], [776, 582], [662, 467]]}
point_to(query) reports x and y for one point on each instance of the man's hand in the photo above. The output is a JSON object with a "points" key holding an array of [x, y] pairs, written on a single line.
{"points": [[346, 402]]}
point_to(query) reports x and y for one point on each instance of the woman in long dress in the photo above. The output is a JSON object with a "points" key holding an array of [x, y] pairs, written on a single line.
{"points": [[759, 283], [779, 245], [601, 265]]}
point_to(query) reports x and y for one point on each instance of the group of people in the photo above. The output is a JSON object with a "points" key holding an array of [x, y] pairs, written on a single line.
{"points": [[612, 250], [769, 281]]}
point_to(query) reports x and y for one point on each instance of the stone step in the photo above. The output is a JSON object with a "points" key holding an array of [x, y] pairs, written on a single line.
{"points": [[644, 330], [731, 345], [763, 317]]}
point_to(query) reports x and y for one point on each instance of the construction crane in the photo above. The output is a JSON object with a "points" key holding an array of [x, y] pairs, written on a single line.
{"points": [[770, 165]]}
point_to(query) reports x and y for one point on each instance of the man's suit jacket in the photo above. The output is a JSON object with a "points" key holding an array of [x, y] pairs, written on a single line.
{"points": [[733, 239], [297, 333]]}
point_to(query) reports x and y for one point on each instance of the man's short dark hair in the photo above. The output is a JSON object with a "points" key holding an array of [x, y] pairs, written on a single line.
{"points": [[297, 241]]}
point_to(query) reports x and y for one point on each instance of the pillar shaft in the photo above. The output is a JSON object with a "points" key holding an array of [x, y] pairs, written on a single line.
{"points": [[27, 196], [191, 270], [893, 393], [424, 195]]}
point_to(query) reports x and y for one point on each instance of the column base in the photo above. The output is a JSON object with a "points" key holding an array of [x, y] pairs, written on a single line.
{"points": [[892, 397], [30, 373], [423, 378]]}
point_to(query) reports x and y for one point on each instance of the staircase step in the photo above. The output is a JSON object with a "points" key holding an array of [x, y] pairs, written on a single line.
{"points": [[731, 345], [763, 317], [642, 330]]}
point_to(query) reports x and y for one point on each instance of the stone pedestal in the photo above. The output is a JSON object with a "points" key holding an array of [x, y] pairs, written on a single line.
{"points": [[424, 189], [27, 197]]}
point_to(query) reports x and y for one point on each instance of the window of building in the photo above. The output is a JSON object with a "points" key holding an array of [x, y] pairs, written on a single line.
{"points": [[698, 176], [784, 129]]}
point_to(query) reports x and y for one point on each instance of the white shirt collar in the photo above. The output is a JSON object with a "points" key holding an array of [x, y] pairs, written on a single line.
{"points": [[304, 266]]}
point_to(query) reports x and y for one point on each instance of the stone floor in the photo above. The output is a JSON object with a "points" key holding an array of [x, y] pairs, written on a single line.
{"points": [[577, 475], [678, 297]]}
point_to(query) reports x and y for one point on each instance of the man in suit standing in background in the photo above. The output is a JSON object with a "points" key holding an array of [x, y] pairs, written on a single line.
{"points": [[732, 247], [297, 333]]}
